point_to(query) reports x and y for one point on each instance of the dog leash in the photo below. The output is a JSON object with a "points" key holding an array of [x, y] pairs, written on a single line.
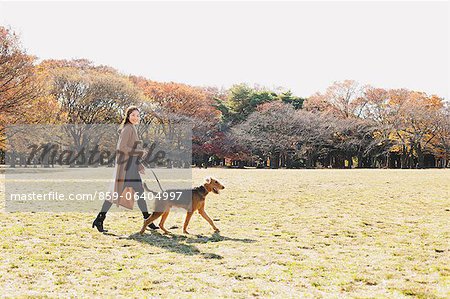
{"points": [[154, 174], [157, 180]]}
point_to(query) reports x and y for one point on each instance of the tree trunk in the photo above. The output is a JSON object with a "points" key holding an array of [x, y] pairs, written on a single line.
{"points": [[360, 160], [288, 161], [411, 159], [350, 162], [309, 160], [404, 157], [420, 156], [13, 159]]}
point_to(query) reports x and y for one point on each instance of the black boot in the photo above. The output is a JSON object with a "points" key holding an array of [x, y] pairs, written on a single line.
{"points": [[151, 225], [98, 222]]}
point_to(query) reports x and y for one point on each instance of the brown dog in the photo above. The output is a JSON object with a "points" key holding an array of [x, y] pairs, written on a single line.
{"points": [[196, 202]]}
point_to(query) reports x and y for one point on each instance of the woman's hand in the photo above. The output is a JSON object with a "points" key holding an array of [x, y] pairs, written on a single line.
{"points": [[142, 171]]}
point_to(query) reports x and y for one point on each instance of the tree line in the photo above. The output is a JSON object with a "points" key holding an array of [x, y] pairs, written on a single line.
{"points": [[349, 125]]}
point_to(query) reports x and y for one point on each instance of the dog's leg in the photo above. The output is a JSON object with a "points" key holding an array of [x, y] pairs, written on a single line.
{"points": [[204, 215], [163, 220], [153, 217], [186, 222]]}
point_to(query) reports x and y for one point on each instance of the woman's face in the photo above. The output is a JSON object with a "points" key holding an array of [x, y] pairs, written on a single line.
{"points": [[134, 117]]}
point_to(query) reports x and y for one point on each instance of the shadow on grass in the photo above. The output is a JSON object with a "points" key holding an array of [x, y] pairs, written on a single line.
{"points": [[180, 243], [216, 237], [173, 243]]}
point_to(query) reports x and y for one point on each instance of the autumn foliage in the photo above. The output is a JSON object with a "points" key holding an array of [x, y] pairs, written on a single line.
{"points": [[347, 125]]}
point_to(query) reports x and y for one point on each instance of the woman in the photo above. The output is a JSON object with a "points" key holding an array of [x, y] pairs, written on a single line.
{"points": [[128, 167]]}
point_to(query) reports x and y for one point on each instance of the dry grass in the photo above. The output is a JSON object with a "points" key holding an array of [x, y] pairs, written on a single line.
{"points": [[284, 233]]}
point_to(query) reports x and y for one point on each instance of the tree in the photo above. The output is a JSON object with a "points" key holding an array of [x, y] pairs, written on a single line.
{"points": [[442, 140], [297, 135], [19, 84], [89, 97], [288, 98], [341, 99], [382, 113], [241, 101], [415, 124], [267, 134], [354, 137], [173, 101]]}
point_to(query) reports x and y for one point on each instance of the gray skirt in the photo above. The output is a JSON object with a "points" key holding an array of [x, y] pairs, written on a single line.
{"points": [[132, 176]]}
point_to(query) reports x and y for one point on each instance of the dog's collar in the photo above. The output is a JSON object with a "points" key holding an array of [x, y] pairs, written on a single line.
{"points": [[202, 189]]}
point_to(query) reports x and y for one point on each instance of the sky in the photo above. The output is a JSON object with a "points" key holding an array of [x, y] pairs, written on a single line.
{"points": [[301, 46]]}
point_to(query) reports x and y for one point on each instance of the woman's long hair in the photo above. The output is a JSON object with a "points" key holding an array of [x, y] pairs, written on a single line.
{"points": [[126, 119]]}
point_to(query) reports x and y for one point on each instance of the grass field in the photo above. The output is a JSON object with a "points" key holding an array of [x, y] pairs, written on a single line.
{"points": [[284, 233]]}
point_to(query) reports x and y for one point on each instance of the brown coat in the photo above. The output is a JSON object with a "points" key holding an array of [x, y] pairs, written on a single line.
{"points": [[127, 139]]}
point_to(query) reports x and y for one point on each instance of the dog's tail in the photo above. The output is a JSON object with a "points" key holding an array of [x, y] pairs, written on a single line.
{"points": [[147, 188]]}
